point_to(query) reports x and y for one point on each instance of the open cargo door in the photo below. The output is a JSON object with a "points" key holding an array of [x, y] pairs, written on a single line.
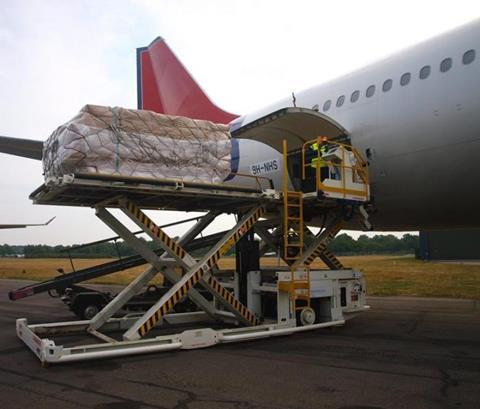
{"points": [[296, 125]]}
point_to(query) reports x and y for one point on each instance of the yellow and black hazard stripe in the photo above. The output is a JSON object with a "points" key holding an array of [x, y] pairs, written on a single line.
{"points": [[244, 228], [228, 296], [170, 303], [197, 275], [241, 230], [157, 231], [330, 260], [323, 246], [320, 249]]}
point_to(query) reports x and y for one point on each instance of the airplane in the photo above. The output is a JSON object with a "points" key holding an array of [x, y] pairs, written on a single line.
{"points": [[414, 116], [22, 226]]}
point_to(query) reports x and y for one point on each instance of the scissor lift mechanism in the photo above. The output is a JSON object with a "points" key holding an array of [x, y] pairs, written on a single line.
{"points": [[294, 288]]}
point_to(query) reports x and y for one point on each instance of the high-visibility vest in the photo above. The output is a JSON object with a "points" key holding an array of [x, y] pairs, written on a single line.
{"points": [[318, 160]]}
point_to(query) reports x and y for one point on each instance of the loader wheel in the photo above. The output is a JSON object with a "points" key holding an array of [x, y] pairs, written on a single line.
{"points": [[87, 304], [90, 311], [306, 316]]}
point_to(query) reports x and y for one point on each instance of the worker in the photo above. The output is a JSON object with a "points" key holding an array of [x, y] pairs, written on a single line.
{"points": [[317, 158]]}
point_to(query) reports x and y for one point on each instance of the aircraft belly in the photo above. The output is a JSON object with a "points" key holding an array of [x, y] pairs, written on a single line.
{"points": [[429, 189], [423, 170]]}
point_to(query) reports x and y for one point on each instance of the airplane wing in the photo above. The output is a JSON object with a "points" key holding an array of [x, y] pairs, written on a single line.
{"points": [[22, 226], [27, 148]]}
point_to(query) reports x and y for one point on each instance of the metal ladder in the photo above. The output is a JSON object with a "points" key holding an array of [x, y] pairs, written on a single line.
{"points": [[293, 240], [292, 225]]}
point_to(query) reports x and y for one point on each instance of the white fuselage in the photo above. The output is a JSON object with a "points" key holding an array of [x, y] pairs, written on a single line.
{"points": [[423, 138]]}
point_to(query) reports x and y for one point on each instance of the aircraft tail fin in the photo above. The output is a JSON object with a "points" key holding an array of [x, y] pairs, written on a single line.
{"points": [[166, 87]]}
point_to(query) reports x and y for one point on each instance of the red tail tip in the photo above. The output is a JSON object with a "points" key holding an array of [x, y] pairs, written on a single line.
{"points": [[165, 86]]}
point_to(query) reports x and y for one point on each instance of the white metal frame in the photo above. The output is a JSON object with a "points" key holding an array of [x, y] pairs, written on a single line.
{"points": [[48, 352], [324, 284]]}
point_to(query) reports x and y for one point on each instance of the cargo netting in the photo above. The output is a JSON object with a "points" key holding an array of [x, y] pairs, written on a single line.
{"points": [[135, 143]]}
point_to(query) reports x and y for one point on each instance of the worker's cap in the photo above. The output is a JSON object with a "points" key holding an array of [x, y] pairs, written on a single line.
{"points": [[324, 139]]}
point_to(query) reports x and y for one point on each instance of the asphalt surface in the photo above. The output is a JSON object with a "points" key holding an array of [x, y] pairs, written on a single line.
{"points": [[404, 353]]}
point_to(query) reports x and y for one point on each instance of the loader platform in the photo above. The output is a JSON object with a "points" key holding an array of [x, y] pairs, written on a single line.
{"points": [[305, 298], [91, 190]]}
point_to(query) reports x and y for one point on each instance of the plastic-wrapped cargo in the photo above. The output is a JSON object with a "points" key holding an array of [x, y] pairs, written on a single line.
{"points": [[127, 142]]}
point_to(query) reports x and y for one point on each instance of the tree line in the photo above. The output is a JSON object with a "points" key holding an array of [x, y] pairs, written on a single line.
{"points": [[342, 245], [378, 244]]}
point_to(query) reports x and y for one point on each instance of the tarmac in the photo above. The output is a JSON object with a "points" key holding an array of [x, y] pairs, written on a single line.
{"points": [[403, 353]]}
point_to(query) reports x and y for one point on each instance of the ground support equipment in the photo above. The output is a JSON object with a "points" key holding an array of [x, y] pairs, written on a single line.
{"points": [[334, 296], [258, 302]]}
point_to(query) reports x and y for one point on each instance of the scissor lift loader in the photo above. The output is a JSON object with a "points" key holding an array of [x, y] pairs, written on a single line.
{"points": [[304, 298]]}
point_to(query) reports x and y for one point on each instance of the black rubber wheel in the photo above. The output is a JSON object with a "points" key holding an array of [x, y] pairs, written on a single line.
{"points": [[90, 311]]}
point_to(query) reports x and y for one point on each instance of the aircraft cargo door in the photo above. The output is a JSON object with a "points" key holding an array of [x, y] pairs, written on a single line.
{"points": [[295, 125]]}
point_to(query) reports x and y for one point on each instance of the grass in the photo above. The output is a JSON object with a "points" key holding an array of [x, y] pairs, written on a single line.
{"points": [[39, 269], [386, 275], [390, 275]]}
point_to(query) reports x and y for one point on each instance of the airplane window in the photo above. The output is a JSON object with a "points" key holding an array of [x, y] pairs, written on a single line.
{"points": [[468, 57], [405, 79], [446, 64], [326, 105], [355, 95], [424, 72], [340, 100], [370, 91], [387, 85]]}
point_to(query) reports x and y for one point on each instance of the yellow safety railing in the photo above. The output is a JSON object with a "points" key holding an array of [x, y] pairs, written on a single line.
{"points": [[358, 170]]}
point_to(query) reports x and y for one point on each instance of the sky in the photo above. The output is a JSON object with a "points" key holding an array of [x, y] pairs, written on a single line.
{"points": [[57, 56]]}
